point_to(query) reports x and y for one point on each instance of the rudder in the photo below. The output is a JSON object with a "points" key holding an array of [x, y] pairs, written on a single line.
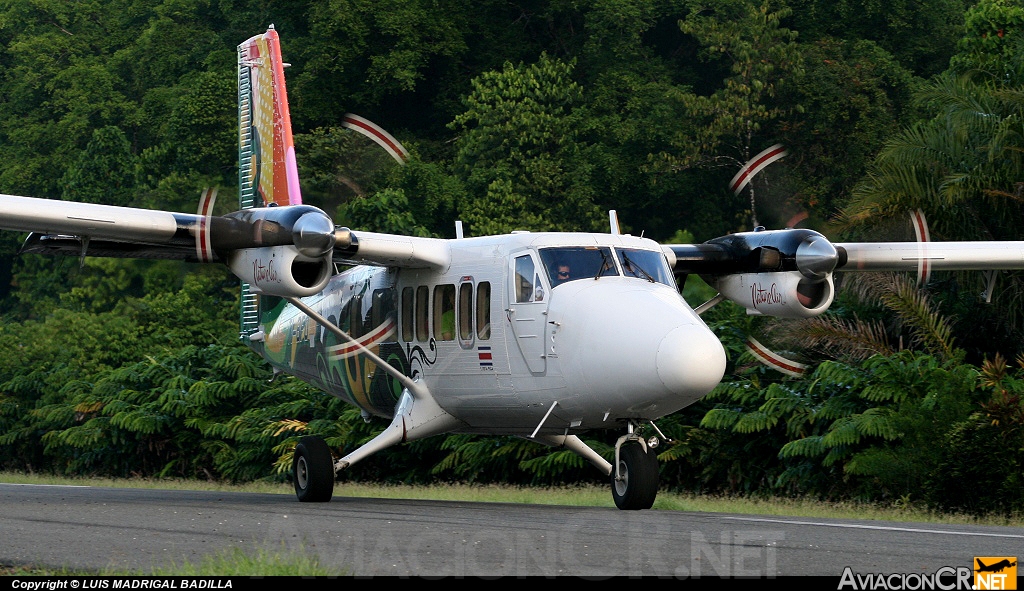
{"points": [[267, 170]]}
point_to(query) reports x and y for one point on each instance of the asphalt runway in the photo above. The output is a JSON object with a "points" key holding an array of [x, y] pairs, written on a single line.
{"points": [[141, 529]]}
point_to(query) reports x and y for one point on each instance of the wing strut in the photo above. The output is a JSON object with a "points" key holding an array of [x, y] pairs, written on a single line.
{"points": [[990, 276], [708, 304], [417, 414], [576, 445]]}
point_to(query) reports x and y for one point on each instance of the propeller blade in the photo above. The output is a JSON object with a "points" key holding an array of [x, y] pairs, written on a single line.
{"points": [[377, 134], [774, 360], [924, 270], [204, 243], [754, 166]]}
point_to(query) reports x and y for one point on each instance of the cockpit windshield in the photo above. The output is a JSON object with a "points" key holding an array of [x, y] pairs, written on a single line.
{"points": [[569, 263], [645, 264]]}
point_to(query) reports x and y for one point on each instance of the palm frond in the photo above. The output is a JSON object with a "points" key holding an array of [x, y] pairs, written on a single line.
{"points": [[835, 337]]}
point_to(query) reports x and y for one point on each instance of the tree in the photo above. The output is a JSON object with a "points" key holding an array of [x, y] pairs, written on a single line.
{"points": [[518, 153], [981, 468], [203, 127], [906, 402], [55, 88], [853, 94], [761, 56], [864, 430], [961, 168], [920, 34], [992, 41], [104, 172], [364, 55], [384, 211]]}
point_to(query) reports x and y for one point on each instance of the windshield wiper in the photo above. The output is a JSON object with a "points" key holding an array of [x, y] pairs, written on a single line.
{"points": [[631, 264], [606, 263]]}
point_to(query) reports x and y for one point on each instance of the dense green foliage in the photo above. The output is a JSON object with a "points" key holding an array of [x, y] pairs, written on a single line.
{"points": [[531, 115]]}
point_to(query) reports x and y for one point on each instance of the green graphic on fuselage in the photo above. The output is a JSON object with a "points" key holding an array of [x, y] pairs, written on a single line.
{"points": [[361, 303]]}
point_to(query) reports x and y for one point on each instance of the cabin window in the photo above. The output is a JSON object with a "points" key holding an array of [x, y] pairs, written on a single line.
{"points": [[407, 315], [524, 279], [466, 311], [422, 320], [483, 311], [355, 317], [444, 312], [382, 307]]}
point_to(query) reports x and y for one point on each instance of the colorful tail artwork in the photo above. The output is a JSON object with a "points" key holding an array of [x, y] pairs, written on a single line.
{"points": [[267, 167], [267, 170]]}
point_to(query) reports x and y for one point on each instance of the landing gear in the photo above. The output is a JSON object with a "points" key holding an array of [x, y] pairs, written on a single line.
{"points": [[313, 470], [635, 475]]}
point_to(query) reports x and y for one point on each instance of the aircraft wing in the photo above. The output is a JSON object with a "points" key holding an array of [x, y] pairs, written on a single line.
{"points": [[273, 242], [393, 250], [63, 227], [810, 252], [789, 273], [939, 256], [68, 228]]}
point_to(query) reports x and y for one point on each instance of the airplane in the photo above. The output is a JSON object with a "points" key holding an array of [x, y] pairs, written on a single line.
{"points": [[472, 334], [995, 567]]}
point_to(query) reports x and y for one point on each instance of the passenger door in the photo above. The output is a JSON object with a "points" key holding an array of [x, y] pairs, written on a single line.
{"points": [[528, 306]]}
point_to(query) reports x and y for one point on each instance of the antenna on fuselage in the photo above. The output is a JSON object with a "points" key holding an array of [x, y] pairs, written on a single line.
{"points": [[458, 228], [613, 221]]}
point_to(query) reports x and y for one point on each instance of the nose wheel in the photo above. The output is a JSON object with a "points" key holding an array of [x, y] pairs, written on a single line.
{"points": [[313, 470], [635, 477]]}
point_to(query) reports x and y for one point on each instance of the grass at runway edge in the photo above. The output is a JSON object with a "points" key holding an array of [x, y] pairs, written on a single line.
{"points": [[270, 563]]}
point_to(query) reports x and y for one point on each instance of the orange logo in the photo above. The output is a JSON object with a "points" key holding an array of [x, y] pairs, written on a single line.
{"points": [[995, 572]]}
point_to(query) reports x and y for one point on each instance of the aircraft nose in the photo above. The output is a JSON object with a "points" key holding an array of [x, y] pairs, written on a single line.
{"points": [[690, 360]]}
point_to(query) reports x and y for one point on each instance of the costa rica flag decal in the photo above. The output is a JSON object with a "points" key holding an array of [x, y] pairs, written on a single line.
{"points": [[484, 354]]}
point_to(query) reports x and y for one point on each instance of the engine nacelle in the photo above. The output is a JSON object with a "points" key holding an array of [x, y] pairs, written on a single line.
{"points": [[787, 294], [281, 270]]}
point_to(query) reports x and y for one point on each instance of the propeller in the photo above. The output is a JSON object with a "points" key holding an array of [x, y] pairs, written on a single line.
{"points": [[814, 256], [762, 251], [313, 234], [309, 229], [204, 244]]}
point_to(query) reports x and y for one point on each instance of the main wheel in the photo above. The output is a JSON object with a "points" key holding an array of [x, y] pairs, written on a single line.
{"points": [[313, 470], [639, 483]]}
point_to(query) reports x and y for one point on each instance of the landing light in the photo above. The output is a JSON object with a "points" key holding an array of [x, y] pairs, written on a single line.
{"points": [[653, 442]]}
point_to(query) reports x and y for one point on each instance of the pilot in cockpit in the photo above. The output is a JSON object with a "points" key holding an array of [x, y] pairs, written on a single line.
{"points": [[561, 274]]}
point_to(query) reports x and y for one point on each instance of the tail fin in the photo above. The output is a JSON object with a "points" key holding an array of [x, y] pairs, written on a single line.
{"points": [[267, 172]]}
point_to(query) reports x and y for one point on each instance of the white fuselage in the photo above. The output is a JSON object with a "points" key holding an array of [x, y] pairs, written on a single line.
{"points": [[593, 351]]}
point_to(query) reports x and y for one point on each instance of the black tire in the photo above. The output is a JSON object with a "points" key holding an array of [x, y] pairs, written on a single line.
{"points": [[639, 484], [313, 470]]}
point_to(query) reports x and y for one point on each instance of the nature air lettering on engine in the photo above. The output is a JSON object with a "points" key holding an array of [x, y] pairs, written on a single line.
{"points": [[760, 295], [280, 271], [782, 294], [263, 272]]}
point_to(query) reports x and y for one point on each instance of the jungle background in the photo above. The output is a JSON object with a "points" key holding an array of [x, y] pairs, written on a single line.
{"points": [[538, 115]]}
